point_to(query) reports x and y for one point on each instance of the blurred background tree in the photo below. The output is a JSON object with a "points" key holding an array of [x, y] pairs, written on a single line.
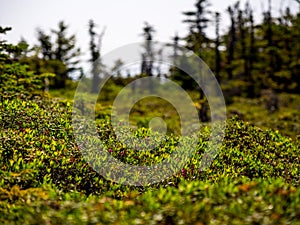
{"points": [[59, 56], [16, 79], [95, 51]]}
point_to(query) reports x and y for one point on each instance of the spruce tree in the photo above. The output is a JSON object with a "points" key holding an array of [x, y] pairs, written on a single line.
{"points": [[59, 53], [95, 51]]}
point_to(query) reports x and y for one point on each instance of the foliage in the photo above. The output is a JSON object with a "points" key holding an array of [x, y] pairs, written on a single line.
{"points": [[16, 78], [254, 179], [45, 179], [197, 202], [286, 120]]}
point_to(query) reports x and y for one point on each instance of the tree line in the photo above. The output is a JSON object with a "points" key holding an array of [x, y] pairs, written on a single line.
{"points": [[247, 58]]}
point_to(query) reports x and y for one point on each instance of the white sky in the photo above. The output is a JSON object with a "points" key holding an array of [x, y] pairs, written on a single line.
{"points": [[124, 19]]}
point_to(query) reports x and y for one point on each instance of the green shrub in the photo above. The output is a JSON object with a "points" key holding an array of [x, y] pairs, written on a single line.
{"points": [[45, 180]]}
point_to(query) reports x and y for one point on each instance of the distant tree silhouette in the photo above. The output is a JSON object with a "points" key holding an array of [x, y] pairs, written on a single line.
{"points": [[196, 41], [232, 11], [95, 50], [62, 50], [148, 54], [197, 21], [175, 45], [46, 46], [217, 48]]}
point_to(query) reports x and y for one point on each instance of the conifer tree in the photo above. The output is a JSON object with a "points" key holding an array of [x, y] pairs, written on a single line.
{"points": [[217, 48], [148, 54], [95, 50], [59, 53]]}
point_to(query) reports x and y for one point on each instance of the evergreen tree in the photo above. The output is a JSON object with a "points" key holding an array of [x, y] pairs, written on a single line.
{"points": [[197, 21], [175, 45], [252, 92], [46, 47], [62, 52], [175, 56], [148, 54], [95, 50], [242, 37], [66, 52], [232, 39], [217, 48], [197, 41]]}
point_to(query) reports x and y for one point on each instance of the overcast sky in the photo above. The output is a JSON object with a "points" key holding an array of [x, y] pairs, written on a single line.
{"points": [[124, 19]]}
